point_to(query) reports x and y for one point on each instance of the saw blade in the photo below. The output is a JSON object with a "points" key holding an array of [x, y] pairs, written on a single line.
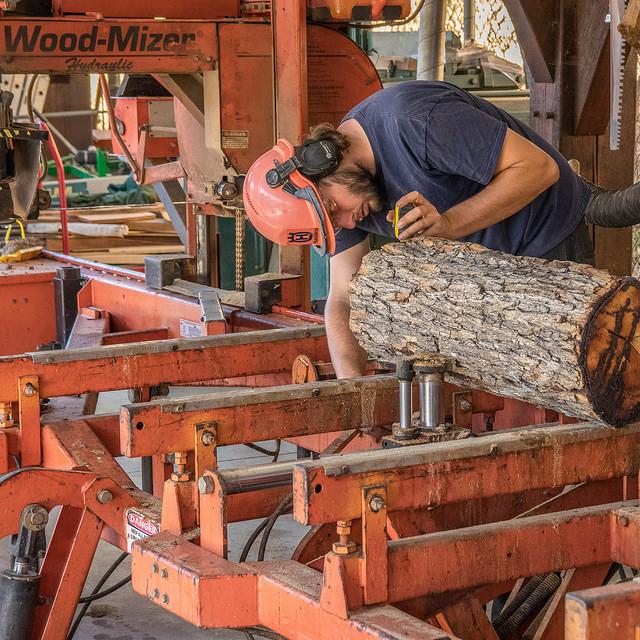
{"points": [[617, 61], [23, 189]]}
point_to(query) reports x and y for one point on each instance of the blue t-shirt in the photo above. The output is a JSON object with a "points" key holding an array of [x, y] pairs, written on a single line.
{"points": [[443, 142]]}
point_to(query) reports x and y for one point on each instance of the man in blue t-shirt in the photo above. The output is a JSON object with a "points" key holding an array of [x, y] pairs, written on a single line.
{"points": [[472, 172]]}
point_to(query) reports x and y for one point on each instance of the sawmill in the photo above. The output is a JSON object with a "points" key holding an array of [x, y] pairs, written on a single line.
{"points": [[319, 320]]}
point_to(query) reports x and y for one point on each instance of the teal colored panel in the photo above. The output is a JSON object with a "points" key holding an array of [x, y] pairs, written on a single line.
{"points": [[319, 276], [256, 250]]}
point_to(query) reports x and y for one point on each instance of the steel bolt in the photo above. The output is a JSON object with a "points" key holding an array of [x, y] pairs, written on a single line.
{"points": [[624, 521], [164, 573], [165, 598], [104, 496], [344, 546], [464, 405], [37, 517], [377, 503], [205, 485], [154, 568], [30, 390], [315, 393], [156, 593], [208, 438]]}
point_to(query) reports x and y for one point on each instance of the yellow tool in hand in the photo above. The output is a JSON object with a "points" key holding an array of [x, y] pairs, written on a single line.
{"points": [[399, 212]]}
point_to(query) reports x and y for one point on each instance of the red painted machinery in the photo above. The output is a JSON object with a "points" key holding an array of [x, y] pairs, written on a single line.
{"points": [[406, 543]]}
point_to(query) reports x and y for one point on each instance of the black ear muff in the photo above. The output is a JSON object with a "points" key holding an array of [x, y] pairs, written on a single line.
{"points": [[318, 158]]}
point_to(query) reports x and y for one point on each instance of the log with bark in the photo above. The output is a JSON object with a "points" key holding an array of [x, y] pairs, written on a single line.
{"points": [[555, 334]]}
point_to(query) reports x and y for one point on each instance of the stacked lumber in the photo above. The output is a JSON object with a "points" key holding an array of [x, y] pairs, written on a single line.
{"points": [[120, 235], [557, 334]]}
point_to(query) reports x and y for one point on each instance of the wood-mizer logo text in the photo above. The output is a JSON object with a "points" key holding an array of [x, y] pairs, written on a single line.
{"points": [[117, 39]]}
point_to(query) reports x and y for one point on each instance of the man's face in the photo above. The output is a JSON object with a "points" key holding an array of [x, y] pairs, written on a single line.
{"points": [[346, 205]]}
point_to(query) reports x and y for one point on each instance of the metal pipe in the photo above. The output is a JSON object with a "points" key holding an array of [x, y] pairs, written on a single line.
{"points": [[431, 41], [62, 187], [469, 20], [267, 476], [431, 400], [406, 408], [94, 266]]}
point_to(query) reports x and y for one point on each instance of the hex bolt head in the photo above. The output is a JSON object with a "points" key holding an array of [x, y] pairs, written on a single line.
{"points": [[164, 573], [377, 503], [205, 485], [156, 593], [154, 568], [29, 390], [208, 438], [165, 598], [345, 548], [104, 496]]}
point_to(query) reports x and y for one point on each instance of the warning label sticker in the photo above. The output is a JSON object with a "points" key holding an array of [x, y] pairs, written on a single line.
{"points": [[189, 329], [235, 139], [139, 527]]}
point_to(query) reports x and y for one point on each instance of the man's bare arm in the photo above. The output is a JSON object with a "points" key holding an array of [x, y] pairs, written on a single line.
{"points": [[348, 357], [522, 173]]}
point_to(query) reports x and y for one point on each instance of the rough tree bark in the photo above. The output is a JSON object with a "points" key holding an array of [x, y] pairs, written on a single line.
{"points": [[556, 334]]}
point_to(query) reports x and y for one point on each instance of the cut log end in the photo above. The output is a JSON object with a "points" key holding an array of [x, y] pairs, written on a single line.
{"points": [[609, 357]]}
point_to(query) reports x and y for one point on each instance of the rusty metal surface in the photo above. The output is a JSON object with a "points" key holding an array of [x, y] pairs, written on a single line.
{"points": [[246, 416], [85, 45], [603, 613], [430, 475]]}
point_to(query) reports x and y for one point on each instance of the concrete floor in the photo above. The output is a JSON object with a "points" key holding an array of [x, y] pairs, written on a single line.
{"points": [[124, 615]]}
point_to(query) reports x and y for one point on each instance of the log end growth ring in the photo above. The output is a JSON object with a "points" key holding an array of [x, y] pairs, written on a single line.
{"points": [[610, 356]]}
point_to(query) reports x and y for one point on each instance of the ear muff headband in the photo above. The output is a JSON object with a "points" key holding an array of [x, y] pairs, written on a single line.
{"points": [[314, 159], [317, 158]]}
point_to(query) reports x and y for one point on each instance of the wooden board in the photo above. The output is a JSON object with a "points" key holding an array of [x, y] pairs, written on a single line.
{"points": [[116, 217]]}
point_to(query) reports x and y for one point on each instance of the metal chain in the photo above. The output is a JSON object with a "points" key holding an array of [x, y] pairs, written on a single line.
{"points": [[239, 250]]}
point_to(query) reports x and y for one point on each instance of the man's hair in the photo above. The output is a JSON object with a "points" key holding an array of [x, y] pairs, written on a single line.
{"points": [[326, 131], [356, 178]]}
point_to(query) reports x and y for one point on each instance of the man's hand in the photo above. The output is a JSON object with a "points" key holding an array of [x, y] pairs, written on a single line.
{"points": [[423, 220]]}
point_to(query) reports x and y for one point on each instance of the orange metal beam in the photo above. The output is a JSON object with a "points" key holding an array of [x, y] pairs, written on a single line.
{"points": [[440, 562], [435, 474], [604, 613], [252, 415], [76, 371]]}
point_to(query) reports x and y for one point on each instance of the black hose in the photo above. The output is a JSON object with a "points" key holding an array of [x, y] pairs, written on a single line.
{"points": [[96, 589], [101, 594], [252, 538], [531, 606], [284, 505], [267, 524], [267, 452], [614, 207]]}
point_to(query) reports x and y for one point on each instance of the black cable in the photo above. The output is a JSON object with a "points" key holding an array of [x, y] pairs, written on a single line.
{"points": [[252, 538], [96, 589], [267, 522], [32, 83], [267, 452], [101, 594], [285, 504]]}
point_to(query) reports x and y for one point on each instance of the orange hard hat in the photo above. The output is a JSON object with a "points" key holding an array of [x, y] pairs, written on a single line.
{"points": [[284, 205]]}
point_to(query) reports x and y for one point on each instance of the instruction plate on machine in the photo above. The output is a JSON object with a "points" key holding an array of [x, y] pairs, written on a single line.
{"points": [[139, 527], [190, 329]]}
